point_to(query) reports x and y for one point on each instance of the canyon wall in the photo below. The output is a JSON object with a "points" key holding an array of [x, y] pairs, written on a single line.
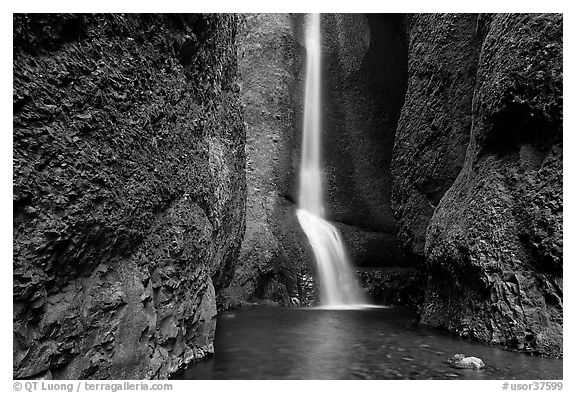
{"points": [[364, 64], [156, 163], [443, 164], [364, 70], [484, 217], [434, 127], [129, 191], [274, 256]]}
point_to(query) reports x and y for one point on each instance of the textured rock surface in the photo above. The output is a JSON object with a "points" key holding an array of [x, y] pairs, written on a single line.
{"points": [[364, 63], [434, 127], [364, 66], [394, 286], [128, 191], [274, 251], [493, 246], [470, 179]]}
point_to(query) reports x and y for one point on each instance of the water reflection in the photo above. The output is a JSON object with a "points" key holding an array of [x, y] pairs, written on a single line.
{"points": [[280, 343]]}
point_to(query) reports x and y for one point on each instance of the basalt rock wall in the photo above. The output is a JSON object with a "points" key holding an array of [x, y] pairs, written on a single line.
{"points": [[477, 175], [129, 191], [274, 256], [364, 71], [434, 126], [364, 63]]}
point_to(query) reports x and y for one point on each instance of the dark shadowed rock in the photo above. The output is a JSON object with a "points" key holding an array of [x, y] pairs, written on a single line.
{"points": [[128, 191], [364, 66], [369, 248], [395, 286], [434, 127], [494, 244]]}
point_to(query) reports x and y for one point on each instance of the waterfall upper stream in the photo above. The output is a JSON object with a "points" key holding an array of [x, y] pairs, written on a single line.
{"points": [[337, 284]]}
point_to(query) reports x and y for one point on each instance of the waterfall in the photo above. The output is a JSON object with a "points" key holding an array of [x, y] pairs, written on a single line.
{"points": [[337, 282]]}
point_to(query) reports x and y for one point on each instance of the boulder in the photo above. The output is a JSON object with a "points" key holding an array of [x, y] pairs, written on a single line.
{"points": [[461, 361]]}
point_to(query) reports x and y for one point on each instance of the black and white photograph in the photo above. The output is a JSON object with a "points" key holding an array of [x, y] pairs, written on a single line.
{"points": [[286, 196]]}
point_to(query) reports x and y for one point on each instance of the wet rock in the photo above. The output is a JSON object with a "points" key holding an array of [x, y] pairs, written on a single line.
{"points": [[371, 249], [274, 252], [128, 191], [434, 126], [477, 175], [391, 286], [365, 71], [461, 361]]}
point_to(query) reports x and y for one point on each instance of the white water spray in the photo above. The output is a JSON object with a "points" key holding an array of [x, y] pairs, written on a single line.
{"points": [[337, 283]]}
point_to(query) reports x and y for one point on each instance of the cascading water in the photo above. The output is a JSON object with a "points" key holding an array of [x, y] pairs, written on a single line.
{"points": [[337, 283]]}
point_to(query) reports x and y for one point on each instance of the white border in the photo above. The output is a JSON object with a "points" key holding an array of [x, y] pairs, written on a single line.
{"points": [[293, 6]]}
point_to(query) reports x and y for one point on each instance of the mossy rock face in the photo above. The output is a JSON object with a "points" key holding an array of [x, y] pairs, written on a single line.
{"points": [[274, 251], [489, 237], [129, 190], [364, 81], [364, 65]]}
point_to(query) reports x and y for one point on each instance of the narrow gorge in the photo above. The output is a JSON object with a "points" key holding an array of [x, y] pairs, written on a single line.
{"points": [[156, 183]]}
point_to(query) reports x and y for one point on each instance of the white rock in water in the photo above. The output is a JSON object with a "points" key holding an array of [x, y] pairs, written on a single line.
{"points": [[471, 362], [461, 361]]}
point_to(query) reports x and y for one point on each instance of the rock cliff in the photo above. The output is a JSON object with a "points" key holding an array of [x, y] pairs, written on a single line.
{"points": [[129, 191], [365, 70], [275, 254], [484, 216], [156, 163], [434, 126]]}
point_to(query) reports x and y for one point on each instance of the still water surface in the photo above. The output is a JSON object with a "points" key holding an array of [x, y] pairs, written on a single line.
{"points": [[384, 343]]}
